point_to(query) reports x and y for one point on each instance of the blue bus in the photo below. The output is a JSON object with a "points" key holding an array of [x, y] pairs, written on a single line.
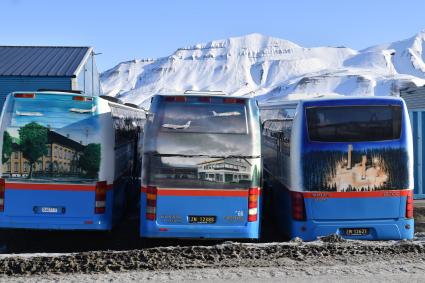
{"points": [[67, 160], [201, 167], [339, 166]]}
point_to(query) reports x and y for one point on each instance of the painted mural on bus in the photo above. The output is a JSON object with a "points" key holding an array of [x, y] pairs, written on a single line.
{"points": [[356, 169], [51, 146]]}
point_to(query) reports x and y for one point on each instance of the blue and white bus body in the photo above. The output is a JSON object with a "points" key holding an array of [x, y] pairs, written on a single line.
{"points": [[201, 168], [340, 178], [80, 170]]}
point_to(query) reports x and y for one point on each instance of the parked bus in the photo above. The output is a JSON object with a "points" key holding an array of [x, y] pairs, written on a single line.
{"points": [[339, 166], [201, 167], [68, 160]]}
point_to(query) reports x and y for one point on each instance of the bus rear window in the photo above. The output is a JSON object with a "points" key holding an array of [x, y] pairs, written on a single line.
{"points": [[203, 118], [354, 123]]}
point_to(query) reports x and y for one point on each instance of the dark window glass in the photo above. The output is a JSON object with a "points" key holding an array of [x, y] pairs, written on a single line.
{"points": [[354, 123]]}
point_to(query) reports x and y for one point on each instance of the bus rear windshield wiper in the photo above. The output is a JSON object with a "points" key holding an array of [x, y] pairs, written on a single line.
{"points": [[206, 155]]}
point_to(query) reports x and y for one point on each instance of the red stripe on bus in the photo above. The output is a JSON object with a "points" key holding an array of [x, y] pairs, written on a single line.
{"points": [[52, 187], [200, 192], [388, 193]]}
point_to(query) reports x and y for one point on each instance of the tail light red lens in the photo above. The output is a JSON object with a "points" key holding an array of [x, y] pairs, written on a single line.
{"points": [[253, 194], [151, 196], [298, 206], [409, 205], [2, 193], [25, 95], [233, 100], [82, 98], [204, 99], [175, 98], [100, 197]]}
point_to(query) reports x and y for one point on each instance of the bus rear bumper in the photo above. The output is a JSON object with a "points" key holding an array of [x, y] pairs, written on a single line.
{"points": [[150, 229], [55, 223], [390, 229]]}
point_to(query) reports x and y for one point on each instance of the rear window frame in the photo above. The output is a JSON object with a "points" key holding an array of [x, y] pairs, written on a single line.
{"points": [[357, 105]]}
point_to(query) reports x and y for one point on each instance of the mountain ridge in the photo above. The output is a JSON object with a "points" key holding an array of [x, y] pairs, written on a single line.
{"points": [[272, 69]]}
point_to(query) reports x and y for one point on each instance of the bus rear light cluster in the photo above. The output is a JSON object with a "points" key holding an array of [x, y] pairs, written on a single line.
{"points": [[409, 205], [175, 98], [298, 206], [253, 204], [151, 195], [100, 198], [2, 193], [24, 95]]}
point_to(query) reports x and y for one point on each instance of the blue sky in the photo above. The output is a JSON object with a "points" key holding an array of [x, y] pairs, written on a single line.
{"points": [[127, 29]]}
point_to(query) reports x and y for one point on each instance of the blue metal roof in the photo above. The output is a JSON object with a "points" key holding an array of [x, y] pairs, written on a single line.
{"points": [[36, 61]]}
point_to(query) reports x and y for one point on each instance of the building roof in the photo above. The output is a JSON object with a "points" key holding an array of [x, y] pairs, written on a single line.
{"points": [[36, 61], [54, 137]]}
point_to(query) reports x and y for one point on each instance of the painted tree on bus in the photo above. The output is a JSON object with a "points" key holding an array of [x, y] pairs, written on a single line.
{"points": [[33, 140], [7, 147], [90, 160]]}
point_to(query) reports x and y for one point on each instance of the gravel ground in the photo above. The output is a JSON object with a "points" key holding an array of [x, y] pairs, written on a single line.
{"points": [[326, 260], [73, 257]]}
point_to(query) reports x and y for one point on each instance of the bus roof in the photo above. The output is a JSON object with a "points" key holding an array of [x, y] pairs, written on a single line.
{"points": [[205, 94], [294, 103], [65, 93]]}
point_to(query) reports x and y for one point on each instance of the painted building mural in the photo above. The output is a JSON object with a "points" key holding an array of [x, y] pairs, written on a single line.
{"points": [[54, 143], [371, 169]]}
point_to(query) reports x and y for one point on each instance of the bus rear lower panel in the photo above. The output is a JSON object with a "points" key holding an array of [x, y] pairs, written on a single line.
{"points": [[54, 207], [199, 217], [361, 218], [390, 229]]}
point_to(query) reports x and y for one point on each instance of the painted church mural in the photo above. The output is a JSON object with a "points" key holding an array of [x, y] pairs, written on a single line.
{"points": [[369, 169]]}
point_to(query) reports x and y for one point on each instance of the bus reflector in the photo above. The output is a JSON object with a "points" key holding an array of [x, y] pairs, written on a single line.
{"points": [[409, 205], [151, 194], [253, 204], [100, 198], [82, 98], [298, 206], [25, 95], [175, 98], [2, 193]]}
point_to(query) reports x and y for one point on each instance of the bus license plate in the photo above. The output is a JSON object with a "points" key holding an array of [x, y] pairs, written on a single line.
{"points": [[356, 231], [202, 219], [49, 209]]}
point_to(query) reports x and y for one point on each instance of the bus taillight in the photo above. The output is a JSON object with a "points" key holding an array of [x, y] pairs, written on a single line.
{"points": [[151, 194], [409, 205], [2, 193], [24, 95], [82, 98], [100, 198], [253, 204], [175, 98], [233, 100], [298, 206]]}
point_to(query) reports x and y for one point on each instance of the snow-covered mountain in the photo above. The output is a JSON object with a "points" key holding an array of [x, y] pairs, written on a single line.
{"points": [[272, 69]]}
